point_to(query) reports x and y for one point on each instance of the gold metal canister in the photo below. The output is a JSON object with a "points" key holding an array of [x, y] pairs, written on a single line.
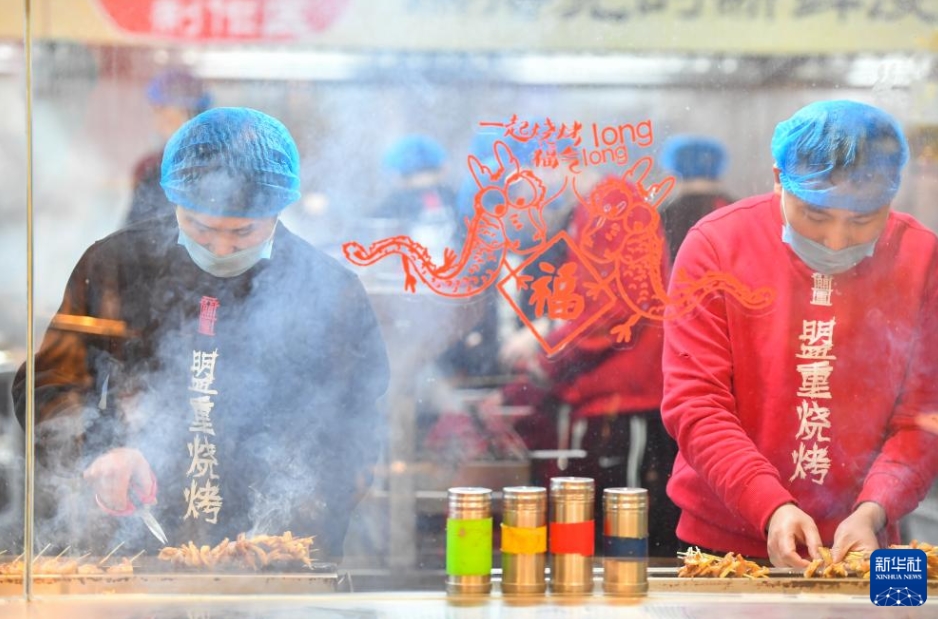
{"points": [[469, 541], [571, 534], [625, 541], [524, 540]]}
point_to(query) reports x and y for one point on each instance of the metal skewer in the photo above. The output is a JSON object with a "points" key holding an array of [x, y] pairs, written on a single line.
{"points": [[39, 554], [108, 555]]}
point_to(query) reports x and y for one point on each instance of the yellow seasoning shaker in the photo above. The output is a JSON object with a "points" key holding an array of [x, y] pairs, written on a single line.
{"points": [[469, 541], [524, 540], [625, 541], [570, 533]]}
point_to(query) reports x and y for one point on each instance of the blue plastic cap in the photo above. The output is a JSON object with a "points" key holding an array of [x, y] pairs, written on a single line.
{"points": [[692, 156], [232, 162], [178, 88], [414, 153], [841, 154]]}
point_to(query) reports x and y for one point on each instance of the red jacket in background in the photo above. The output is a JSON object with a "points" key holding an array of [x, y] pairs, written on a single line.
{"points": [[594, 374]]}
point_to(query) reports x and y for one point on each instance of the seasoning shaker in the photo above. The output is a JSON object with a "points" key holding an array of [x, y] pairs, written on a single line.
{"points": [[625, 541], [469, 541], [571, 530], [524, 540]]}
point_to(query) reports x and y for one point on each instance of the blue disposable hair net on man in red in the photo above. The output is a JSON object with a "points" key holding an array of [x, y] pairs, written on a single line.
{"points": [[840, 154]]}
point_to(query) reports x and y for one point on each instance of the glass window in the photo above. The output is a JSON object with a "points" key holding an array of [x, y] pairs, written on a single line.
{"points": [[433, 252]]}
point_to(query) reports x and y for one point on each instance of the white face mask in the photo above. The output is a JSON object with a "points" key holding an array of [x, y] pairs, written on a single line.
{"points": [[821, 258], [233, 264]]}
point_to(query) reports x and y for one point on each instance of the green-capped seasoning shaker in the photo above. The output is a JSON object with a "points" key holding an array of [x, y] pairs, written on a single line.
{"points": [[469, 541]]}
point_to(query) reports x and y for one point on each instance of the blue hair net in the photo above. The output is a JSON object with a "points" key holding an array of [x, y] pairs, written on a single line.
{"points": [[692, 156], [841, 154], [177, 88], [232, 162], [414, 153]]}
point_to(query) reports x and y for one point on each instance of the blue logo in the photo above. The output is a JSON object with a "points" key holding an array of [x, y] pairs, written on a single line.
{"points": [[898, 577]]}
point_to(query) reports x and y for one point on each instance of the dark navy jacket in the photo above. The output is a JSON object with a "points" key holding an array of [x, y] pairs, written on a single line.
{"points": [[261, 389]]}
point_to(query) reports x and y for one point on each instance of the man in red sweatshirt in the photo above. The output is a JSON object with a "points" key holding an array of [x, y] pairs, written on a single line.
{"points": [[796, 423]]}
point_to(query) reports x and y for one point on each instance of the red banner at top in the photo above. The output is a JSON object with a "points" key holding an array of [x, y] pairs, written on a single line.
{"points": [[224, 20]]}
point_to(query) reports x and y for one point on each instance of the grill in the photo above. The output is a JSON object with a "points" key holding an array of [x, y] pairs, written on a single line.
{"points": [[156, 579]]}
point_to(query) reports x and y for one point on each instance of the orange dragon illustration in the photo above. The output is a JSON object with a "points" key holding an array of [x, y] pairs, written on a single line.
{"points": [[624, 210], [508, 218]]}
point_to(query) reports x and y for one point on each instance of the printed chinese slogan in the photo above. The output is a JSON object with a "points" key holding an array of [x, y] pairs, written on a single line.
{"points": [[616, 264], [203, 495], [815, 364]]}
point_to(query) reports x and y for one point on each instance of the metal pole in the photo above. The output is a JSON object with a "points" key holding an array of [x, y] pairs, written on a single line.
{"points": [[29, 447]]}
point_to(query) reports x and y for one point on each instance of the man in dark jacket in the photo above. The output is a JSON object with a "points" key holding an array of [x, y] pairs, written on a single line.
{"points": [[209, 362], [698, 162]]}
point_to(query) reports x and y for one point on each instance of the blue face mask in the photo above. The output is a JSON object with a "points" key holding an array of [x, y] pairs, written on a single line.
{"points": [[233, 264], [820, 258]]}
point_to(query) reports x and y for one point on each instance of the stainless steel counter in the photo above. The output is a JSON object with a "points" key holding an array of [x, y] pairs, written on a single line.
{"points": [[435, 605]]}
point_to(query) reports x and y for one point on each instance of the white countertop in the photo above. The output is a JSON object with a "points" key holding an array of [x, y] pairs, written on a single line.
{"points": [[417, 605]]}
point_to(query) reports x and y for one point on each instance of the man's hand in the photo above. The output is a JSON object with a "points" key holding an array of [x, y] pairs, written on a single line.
{"points": [[927, 422], [789, 527], [113, 475], [858, 531]]}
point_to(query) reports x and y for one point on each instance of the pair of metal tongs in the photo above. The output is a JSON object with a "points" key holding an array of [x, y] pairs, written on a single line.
{"points": [[143, 511], [140, 509]]}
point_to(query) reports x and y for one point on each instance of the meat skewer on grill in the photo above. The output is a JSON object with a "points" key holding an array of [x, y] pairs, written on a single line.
{"points": [[254, 553]]}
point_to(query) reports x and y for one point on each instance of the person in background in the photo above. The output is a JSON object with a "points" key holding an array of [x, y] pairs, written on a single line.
{"points": [[175, 96], [796, 424], [423, 202], [698, 163], [419, 161], [611, 394], [226, 373]]}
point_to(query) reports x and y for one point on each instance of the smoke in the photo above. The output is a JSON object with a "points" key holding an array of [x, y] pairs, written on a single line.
{"points": [[285, 366]]}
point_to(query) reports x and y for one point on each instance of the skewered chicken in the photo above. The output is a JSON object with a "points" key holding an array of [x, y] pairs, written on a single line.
{"points": [[701, 564], [854, 565], [65, 566], [253, 553], [857, 564], [931, 556]]}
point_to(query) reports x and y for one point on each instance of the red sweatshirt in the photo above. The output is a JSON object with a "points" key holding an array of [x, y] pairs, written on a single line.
{"points": [[810, 400], [595, 374]]}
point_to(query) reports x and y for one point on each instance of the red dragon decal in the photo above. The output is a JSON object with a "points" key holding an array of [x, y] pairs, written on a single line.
{"points": [[508, 219]]}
